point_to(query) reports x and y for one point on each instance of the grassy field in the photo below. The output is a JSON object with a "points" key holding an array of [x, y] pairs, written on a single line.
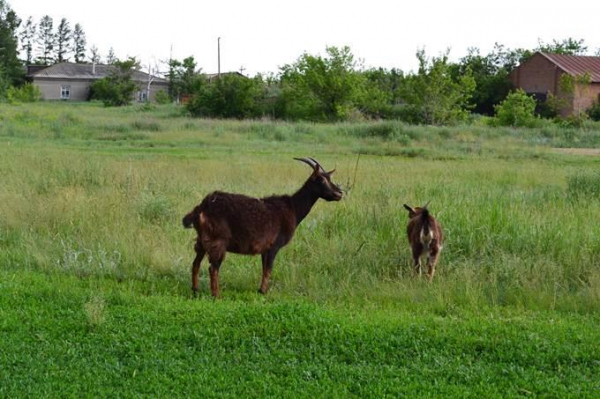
{"points": [[94, 264]]}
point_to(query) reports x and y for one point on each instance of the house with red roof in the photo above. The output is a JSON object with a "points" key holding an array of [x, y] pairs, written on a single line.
{"points": [[541, 75]]}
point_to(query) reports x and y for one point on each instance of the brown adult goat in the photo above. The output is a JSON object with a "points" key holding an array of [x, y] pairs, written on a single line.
{"points": [[244, 225], [425, 236]]}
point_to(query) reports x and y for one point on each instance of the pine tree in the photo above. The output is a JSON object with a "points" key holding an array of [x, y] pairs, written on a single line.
{"points": [[45, 40], [27, 37], [63, 41], [11, 71], [94, 54], [79, 43]]}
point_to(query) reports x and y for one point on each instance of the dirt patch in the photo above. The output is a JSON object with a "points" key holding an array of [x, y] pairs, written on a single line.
{"points": [[578, 151]]}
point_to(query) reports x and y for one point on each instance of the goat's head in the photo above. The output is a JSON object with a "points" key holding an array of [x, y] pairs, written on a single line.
{"points": [[412, 212], [320, 181]]}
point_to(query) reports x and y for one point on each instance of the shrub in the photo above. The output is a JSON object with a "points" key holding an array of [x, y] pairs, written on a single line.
{"points": [[118, 87], [27, 93], [517, 110], [594, 111], [162, 97], [229, 96], [154, 208]]}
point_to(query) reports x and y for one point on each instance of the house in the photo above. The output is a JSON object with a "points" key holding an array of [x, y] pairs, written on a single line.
{"points": [[71, 82], [212, 76], [541, 75]]}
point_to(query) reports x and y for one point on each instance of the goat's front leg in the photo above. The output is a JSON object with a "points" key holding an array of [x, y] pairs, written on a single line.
{"points": [[196, 266], [267, 265], [214, 278]]}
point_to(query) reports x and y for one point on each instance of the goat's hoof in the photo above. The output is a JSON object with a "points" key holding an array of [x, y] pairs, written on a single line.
{"points": [[261, 292]]}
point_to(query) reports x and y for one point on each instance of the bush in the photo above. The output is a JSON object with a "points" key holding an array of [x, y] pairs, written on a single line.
{"points": [[594, 111], [27, 93], [230, 96], [162, 97], [118, 87], [517, 110]]}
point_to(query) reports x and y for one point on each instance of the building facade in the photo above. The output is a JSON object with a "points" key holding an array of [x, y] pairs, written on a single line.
{"points": [[541, 75], [71, 82]]}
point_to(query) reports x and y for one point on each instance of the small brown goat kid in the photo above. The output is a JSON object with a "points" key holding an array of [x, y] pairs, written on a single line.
{"points": [[244, 225], [425, 237]]}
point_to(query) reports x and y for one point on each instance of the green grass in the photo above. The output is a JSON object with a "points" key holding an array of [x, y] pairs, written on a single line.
{"points": [[96, 337], [94, 263]]}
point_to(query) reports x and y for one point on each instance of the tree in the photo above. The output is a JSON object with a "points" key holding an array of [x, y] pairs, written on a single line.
{"points": [[568, 46], [118, 87], [184, 77], [63, 41], [11, 71], [433, 96], [27, 38], [490, 73], [45, 40], [79, 43], [325, 88], [94, 55], [110, 57]]}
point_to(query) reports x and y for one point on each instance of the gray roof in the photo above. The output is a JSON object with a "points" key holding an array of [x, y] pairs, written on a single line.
{"points": [[67, 70], [211, 76]]}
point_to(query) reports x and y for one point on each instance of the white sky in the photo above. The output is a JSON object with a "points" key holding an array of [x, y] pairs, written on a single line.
{"points": [[262, 35]]}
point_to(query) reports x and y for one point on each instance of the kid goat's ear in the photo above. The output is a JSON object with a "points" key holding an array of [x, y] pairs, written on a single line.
{"points": [[409, 209]]}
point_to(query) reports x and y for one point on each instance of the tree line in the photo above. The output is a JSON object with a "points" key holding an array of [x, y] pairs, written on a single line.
{"points": [[331, 87], [336, 87]]}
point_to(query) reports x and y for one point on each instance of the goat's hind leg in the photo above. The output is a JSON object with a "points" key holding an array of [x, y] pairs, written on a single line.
{"points": [[196, 266], [416, 253], [432, 259], [216, 255]]}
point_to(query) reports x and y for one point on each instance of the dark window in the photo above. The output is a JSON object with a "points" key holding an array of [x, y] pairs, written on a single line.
{"points": [[65, 92]]}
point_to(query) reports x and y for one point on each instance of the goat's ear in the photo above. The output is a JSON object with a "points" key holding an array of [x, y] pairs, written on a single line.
{"points": [[410, 210], [332, 171]]}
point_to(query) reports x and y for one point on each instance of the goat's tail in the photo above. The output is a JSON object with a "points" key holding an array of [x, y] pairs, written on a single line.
{"points": [[426, 231], [191, 218]]}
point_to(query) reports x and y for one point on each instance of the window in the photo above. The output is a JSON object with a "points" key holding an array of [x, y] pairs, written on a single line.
{"points": [[143, 96], [65, 92]]}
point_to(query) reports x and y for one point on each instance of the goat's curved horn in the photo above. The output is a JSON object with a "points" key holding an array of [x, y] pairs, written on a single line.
{"points": [[318, 164], [313, 164]]}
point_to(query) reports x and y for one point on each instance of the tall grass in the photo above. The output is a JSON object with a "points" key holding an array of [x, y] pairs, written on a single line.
{"points": [[516, 217]]}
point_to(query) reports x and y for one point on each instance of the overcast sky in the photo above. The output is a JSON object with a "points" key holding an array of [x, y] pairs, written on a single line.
{"points": [[261, 35]]}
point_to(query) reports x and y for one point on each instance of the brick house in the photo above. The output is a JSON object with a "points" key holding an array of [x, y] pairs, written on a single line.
{"points": [[541, 74], [71, 82]]}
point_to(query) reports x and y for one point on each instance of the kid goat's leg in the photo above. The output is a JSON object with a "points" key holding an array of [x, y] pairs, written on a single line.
{"points": [[432, 258], [416, 253]]}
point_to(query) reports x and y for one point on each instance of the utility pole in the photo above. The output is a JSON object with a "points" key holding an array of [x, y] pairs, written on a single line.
{"points": [[219, 57]]}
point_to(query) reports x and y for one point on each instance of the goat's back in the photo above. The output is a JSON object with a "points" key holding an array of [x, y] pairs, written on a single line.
{"points": [[425, 229], [249, 225]]}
